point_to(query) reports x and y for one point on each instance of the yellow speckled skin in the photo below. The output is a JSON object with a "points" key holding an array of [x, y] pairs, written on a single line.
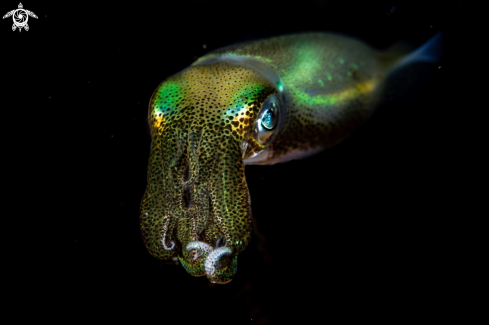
{"points": [[331, 86], [196, 182], [203, 123]]}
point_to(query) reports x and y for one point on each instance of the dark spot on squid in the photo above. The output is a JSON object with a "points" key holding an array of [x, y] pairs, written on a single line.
{"points": [[186, 197]]}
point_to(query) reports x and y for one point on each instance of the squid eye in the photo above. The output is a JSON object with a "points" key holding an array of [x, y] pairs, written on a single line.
{"points": [[270, 118], [267, 120]]}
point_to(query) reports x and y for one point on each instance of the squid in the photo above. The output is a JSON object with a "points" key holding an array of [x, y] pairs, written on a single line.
{"points": [[260, 102]]}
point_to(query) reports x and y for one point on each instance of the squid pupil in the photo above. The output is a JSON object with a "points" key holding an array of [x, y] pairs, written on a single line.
{"points": [[267, 121]]}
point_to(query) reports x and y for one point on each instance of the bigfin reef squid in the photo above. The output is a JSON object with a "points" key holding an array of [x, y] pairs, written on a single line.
{"points": [[260, 102]]}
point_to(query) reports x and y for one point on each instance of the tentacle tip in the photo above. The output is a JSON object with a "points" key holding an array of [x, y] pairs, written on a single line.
{"points": [[172, 245], [216, 270]]}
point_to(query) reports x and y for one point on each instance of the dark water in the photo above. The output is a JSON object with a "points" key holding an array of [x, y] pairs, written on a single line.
{"points": [[370, 229]]}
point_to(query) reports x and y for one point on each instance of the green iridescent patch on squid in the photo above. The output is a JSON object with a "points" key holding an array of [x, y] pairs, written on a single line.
{"points": [[246, 94], [332, 99], [280, 86], [259, 57], [168, 95], [307, 64], [195, 270], [322, 101], [242, 99]]}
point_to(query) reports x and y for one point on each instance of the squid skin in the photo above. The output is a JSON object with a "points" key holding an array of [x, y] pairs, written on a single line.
{"points": [[260, 102]]}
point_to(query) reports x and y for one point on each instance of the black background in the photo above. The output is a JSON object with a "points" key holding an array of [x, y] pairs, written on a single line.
{"points": [[371, 229]]}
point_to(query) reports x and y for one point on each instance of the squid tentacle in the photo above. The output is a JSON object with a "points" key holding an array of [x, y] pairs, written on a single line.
{"points": [[163, 241], [202, 248], [216, 272]]}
